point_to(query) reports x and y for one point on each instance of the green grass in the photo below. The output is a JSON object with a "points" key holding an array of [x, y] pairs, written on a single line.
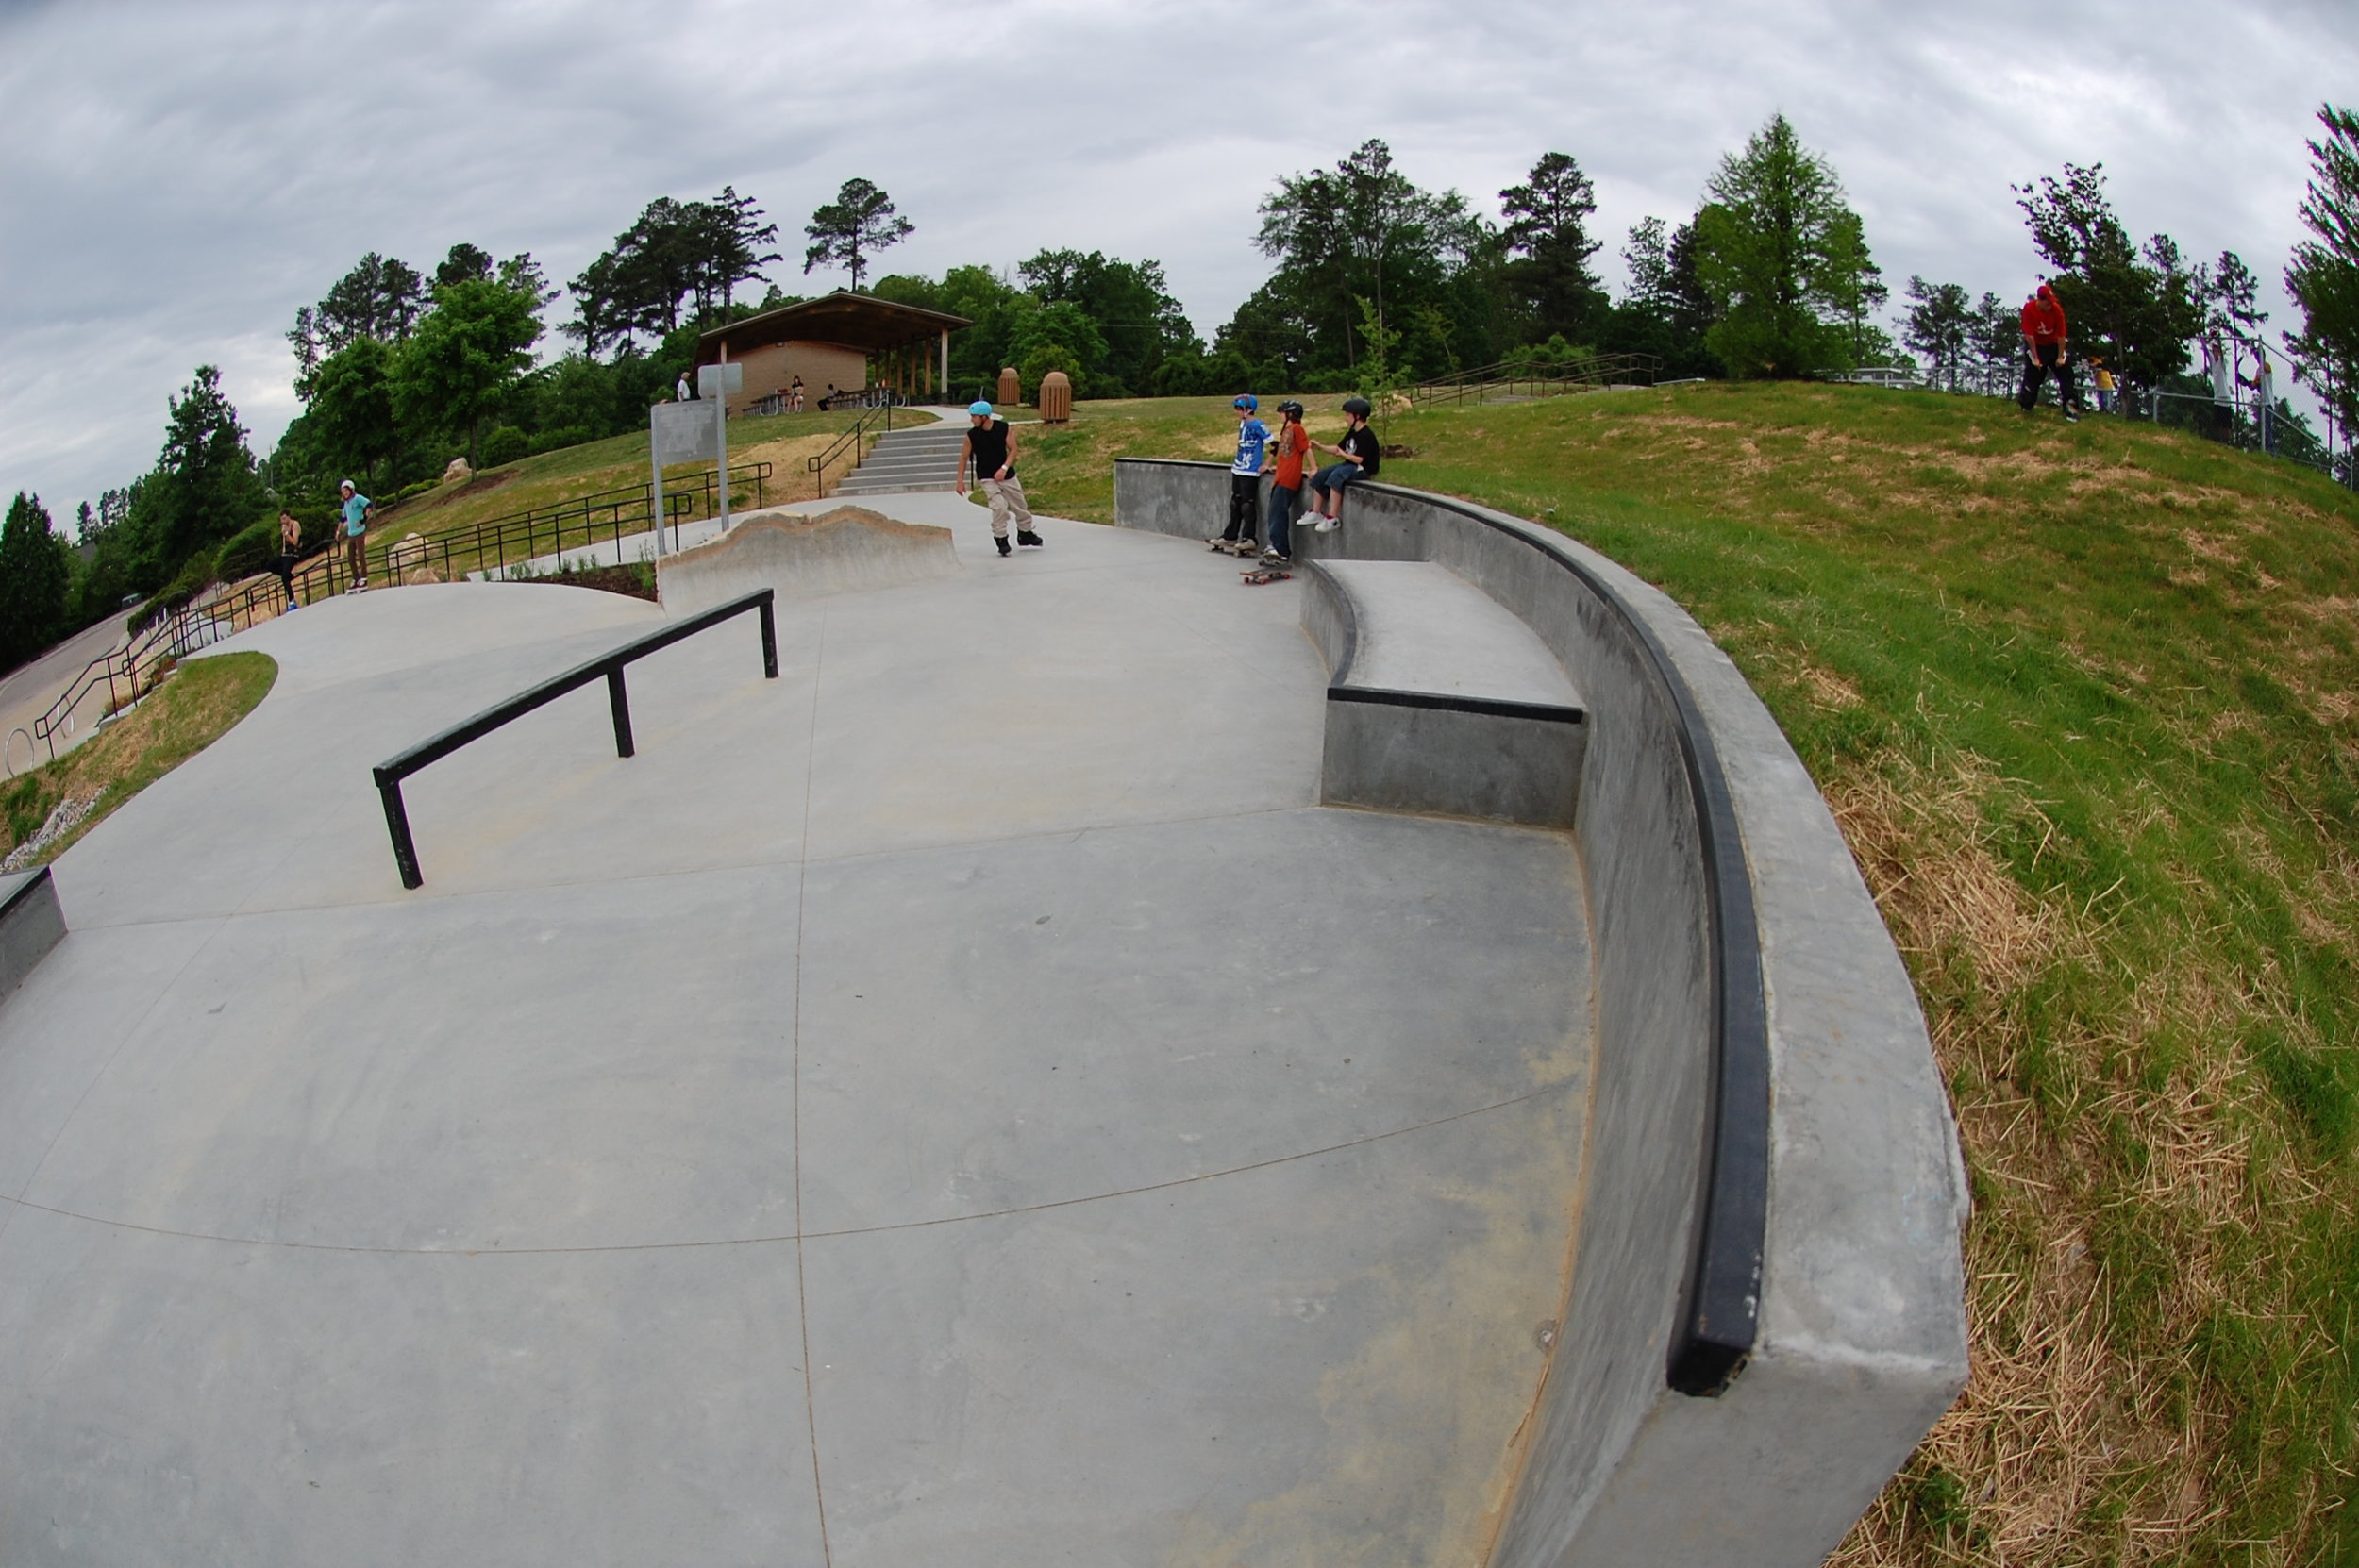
{"points": [[194, 706], [2083, 697]]}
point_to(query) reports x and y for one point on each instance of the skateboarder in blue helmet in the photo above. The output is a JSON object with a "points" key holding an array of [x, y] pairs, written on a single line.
{"points": [[989, 451], [1245, 481]]}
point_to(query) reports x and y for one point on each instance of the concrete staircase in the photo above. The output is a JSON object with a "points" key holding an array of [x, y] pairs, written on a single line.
{"points": [[926, 458]]}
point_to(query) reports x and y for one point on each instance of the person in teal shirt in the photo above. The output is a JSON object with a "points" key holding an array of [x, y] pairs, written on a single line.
{"points": [[357, 508]]}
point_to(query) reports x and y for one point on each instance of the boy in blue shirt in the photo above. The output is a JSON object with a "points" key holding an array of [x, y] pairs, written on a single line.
{"points": [[356, 514], [1245, 481]]}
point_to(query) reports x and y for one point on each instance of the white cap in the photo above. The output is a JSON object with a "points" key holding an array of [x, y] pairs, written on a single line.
{"points": [[349, 485]]}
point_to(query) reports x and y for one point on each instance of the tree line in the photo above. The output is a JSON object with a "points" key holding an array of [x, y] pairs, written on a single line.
{"points": [[1375, 281]]}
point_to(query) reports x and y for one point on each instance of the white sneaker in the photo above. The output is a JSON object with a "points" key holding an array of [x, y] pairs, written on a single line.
{"points": [[1327, 525]]}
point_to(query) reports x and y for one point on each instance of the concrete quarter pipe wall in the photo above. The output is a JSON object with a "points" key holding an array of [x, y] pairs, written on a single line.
{"points": [[1766, 1301]]}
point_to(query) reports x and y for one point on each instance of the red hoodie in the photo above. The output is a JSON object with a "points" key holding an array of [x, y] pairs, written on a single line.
{"points": [[2044, 319]]}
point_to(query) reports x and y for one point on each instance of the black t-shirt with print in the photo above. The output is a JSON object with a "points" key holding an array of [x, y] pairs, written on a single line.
{"points": [[1362, 444]]}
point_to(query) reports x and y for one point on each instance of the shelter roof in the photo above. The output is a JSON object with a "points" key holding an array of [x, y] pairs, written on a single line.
{"points": [[854, 321]]}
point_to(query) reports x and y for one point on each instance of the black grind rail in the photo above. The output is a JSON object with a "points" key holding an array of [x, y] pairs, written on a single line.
{"points": [[390, 773]]}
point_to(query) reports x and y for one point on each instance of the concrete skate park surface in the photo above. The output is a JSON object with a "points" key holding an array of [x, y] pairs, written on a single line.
{"points": [[961, 1102]]}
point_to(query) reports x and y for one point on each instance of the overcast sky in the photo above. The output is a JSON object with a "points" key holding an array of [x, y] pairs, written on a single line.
{"points": [[176, 180]]}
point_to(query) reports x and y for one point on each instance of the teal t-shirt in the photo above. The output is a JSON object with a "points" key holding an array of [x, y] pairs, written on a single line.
{"points": [[356, 514]]}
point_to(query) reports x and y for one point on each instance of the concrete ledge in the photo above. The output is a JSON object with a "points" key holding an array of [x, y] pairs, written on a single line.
{"points": [[849, 549], [1773, 1193], [1438, 700], [31, 922]]}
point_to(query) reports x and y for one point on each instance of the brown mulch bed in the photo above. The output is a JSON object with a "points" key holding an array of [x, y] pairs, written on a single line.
{"points": [[636, 581]]}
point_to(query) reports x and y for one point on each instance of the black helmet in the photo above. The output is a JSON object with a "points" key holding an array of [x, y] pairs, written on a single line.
{"points": [[1290, 406], [1358, 405]]}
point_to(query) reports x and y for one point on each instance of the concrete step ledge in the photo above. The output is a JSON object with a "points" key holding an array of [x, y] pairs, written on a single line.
{"points": [[1439, 699], [31, 922]]}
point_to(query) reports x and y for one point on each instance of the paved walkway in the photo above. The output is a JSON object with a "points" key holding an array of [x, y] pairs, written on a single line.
{"points": [[27, 693], [961, 1102]]}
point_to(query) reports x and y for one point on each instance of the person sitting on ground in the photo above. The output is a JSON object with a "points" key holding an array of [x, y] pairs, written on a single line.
{"points": [[290, 549], [357, 510], [1358, 457], [989, 452], [2045, 353], [1287, 450], [1245, 480]]}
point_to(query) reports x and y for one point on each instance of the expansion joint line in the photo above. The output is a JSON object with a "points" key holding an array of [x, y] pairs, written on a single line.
{"points": [[802, 882]]}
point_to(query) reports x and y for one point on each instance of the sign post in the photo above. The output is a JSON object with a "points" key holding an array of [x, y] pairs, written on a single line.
{"points": [[715, 383], [677, 433]]}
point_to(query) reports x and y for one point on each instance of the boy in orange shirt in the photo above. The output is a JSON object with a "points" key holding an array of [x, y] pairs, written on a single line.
{"points": [[1288, 449]]}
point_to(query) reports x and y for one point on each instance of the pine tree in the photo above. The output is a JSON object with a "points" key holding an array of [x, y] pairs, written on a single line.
{"points": [[849, 230], [32, 581], [2323, 277]]}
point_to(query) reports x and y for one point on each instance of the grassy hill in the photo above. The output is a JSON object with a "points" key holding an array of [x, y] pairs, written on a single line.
{"points": [[2085, 701]]}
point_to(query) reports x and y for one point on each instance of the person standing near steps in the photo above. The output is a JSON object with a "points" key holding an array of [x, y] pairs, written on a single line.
{"points": [[990, 452]]}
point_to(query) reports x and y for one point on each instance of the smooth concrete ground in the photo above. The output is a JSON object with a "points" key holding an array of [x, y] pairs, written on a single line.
{"points": [[959, 1102]]}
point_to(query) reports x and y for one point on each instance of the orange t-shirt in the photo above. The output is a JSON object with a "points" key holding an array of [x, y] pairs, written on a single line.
{"points": [[1292, 443]]}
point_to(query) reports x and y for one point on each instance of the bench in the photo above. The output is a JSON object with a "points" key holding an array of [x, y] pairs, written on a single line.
{"points": [[1439, 698]]}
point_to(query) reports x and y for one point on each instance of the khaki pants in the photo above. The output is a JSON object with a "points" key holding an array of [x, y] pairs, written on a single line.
{"points": [[1006, 495]]}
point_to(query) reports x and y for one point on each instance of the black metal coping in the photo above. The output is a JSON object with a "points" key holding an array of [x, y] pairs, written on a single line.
{"points": [[1448, 703], [1719, 1311], [608, 666]]}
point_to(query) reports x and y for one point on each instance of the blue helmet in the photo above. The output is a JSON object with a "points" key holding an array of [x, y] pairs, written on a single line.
{"points": [[1247, 402], [979, 407]]}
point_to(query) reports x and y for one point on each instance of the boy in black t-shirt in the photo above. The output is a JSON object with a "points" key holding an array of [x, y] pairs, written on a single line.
{"points": [[989, 454], [1359, 454]]}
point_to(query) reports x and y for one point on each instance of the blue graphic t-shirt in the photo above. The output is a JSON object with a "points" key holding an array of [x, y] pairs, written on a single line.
{"points": [[356, 514], [1251, 437]]}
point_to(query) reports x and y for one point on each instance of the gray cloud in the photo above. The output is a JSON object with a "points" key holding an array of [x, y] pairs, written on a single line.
{"points": [[180, 179]]}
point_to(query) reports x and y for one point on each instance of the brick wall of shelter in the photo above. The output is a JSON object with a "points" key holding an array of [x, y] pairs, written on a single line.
{"points": [[773, 367]]}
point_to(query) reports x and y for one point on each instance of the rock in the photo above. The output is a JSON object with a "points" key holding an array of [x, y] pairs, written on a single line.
{"points": [[409, 555], [457, 470]]}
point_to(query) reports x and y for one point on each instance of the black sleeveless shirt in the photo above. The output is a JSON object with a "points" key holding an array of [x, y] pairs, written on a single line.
{"points": [[990, 445]]}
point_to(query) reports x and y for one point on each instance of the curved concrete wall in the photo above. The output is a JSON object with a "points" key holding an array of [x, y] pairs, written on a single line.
{"points": [[1853, 1283]]}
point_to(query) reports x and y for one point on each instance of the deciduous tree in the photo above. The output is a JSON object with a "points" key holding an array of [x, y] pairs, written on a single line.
{"points": [[205, 488], [2137, 308], [1782, 256], [466, 357]]}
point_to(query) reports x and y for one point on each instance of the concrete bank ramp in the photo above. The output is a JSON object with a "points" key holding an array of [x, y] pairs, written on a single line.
{"points": [[847, 550]]}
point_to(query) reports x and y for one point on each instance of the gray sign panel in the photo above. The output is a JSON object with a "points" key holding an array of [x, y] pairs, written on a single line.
{"points": [[685, 433], [720, 380]]}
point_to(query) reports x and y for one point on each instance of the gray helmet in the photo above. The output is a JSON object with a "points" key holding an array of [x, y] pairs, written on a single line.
{"points": [[1359, 406]]}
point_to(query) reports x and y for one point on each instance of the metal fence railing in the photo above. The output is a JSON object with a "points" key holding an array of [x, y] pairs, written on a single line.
{"points": [[850, 447], [493, 545], [1529, 376]]}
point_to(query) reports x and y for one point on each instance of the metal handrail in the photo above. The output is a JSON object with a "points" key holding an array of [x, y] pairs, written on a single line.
{"points": [[849, 441], [1543, 377], [390, 773]]}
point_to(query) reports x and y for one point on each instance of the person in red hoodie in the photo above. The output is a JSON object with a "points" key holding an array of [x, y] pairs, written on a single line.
{"points": [[2044, 352]]}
